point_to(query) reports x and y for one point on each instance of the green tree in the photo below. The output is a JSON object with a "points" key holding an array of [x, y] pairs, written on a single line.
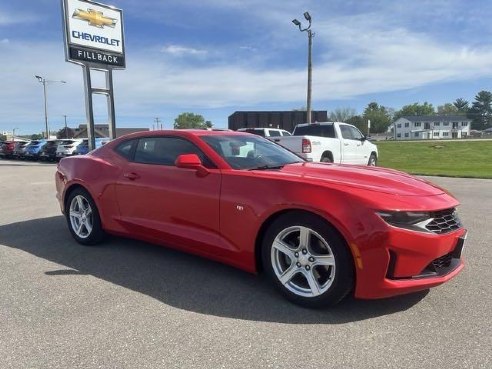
{"points": [[342, 114], [191, 120], [415, 109], [447, 109], [36, 136], [462, 106], [359, 122], [379, 116], [3, 137], [481, 111]]}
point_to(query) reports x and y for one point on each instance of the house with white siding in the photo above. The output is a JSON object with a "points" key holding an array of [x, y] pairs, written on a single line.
{"points": [[431, 127]]}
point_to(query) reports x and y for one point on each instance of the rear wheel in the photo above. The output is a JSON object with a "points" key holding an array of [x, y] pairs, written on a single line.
{"points": [[326, 159], [307, 260], [83, 218]]}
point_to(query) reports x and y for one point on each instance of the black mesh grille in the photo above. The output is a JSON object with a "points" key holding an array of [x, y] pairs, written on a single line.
{"points": [[442, 262], [444, 221]]}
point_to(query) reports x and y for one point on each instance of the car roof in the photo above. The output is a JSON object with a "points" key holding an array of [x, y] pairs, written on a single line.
{"points": [[180, 132]]}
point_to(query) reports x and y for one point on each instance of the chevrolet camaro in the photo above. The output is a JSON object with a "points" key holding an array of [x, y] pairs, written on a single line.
{"points": [[320, 231]]}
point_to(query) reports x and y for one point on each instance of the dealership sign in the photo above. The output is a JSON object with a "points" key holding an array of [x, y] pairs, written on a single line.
{"points": [[93, 34]]}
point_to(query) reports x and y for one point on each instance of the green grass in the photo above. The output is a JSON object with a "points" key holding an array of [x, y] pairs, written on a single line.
{"points": [[461, 158]]}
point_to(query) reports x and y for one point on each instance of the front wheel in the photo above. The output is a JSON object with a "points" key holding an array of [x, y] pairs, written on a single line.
{"points": [[307, 260], [83, 218], [373, 160]]}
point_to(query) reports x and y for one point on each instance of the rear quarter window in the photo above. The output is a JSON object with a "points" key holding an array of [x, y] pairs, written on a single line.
{"points": [[125, 149]]}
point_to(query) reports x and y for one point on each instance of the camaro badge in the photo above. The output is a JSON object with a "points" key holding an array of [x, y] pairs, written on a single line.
{"points": [[95, 18]]}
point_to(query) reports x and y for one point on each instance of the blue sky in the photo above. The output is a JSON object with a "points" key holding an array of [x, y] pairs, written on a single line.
{"points": [[214, 57]]}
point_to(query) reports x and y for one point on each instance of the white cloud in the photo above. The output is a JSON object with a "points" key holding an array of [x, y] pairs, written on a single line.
{"points": [[178, 50], [14, 17]]}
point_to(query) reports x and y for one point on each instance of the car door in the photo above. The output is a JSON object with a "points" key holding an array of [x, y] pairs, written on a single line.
{"points": [[350, 146], [158, 200], [362, 148]]}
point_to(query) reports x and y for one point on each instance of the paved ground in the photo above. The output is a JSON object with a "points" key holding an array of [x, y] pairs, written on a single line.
{"points": [[133, 305]]}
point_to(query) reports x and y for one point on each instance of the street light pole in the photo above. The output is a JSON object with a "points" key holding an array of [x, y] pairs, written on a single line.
{"points": [[66, 130], [44, 81], [310, 34]]}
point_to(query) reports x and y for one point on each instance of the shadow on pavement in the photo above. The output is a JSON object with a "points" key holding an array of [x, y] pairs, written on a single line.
{"points": [[181, 280]]}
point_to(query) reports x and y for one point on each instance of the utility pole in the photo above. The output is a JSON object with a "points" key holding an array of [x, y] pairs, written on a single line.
{"points": [[66, 130], [157, 120]]}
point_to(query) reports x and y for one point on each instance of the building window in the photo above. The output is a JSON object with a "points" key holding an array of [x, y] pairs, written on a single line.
{"points": [[436, 134], [437, 124], [398, 125], [417, 124], [398, 135], [407, 125], [407, 134], [445, 124], [464, 124], [416, 134], [445, 134]]}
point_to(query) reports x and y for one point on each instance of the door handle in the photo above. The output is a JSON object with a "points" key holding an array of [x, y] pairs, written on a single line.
{"points": [[345, 144], [131, 176]]}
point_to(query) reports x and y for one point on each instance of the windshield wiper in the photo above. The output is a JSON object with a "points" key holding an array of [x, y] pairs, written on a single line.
{"points": [[267, 167]]}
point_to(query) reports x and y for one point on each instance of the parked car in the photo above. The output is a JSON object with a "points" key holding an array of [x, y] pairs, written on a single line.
{"points": [[319, 230], [48, 152], [7, 149], [67, 147], [19, 149], [83, 147], [266, 132], [34, 148], [333, 142]]}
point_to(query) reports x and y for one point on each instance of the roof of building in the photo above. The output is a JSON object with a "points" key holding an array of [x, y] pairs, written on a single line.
{"points": [[436, 118]]}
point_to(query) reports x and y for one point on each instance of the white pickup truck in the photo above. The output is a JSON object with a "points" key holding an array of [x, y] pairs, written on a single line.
{"points": [[333, 142]]}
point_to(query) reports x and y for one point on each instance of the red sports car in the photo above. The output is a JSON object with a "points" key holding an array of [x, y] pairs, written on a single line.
{"points": [[320, 231]]}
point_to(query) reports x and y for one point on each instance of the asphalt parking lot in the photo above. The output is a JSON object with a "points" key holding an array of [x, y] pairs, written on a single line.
{"points": [[128, 304]]}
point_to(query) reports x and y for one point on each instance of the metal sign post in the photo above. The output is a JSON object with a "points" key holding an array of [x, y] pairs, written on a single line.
{"points": [[94, 39]]}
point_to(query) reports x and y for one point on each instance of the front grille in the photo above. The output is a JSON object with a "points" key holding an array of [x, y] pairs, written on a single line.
{"points": [[444, 221]]}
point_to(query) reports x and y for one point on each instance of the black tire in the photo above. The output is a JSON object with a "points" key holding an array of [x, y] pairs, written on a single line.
{"points": [[373, 160], [81, 210], [326, 159], [334, 282]]}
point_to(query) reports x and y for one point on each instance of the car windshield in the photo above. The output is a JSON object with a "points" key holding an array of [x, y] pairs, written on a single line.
{"points": [[251, 152]]}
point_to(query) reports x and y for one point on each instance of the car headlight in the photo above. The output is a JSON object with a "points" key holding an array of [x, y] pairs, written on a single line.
{"points": [[413, 220]]}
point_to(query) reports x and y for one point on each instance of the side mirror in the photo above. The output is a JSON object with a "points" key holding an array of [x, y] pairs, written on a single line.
{"points": [[191, 161]]}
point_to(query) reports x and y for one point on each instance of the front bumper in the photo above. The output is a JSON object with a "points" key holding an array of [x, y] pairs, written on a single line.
{"points": [[412, 261]]}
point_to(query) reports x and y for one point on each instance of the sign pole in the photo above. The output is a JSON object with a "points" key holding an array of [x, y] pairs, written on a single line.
{"points": [[89, 108], [111, 111]]}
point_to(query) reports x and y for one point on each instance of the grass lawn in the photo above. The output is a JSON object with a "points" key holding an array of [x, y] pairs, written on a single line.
{"points": [[458, 158]]}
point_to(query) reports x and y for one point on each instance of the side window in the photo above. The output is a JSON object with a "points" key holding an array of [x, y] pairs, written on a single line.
{"points": [[274, 133], [165, 151], [285, 133], [356, 135], [346, 132], [125, 149]]}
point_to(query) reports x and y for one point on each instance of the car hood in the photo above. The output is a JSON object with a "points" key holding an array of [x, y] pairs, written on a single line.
{"points": [[362, 177]]}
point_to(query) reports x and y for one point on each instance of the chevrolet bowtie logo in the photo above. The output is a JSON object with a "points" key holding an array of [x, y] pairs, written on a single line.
{"points": [[95, 18]]}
